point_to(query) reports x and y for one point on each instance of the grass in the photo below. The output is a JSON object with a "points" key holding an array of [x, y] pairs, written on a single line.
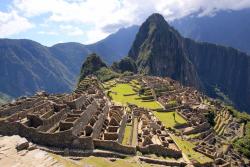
{"points": [[109, 84], [167, 118], [134, 139], [119, 90], [127, 134], [101, 162], [187, 148], [194, 135]]}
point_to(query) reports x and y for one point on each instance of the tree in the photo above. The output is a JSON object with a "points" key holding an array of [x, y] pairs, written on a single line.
{"points": [[141, 91]]}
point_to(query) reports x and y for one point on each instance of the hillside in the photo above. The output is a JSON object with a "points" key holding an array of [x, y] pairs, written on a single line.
{"points": [[27, 66], [4, 98], [160, 50], [229, 28], [116, 46]]}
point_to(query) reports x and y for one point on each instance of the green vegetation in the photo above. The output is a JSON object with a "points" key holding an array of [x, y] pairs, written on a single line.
{"points": [[188, 149], [172, 103], [4, 98], [210, 117], [124, 94], [98, 162], [126, 64], [92, 64], [243, 116], [127, 134], [243, 144], [105, 74], [170, 119], [194, 135]]}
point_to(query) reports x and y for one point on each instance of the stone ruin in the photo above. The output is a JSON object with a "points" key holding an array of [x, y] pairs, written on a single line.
{"points": [[86, 120], [193, 107]]}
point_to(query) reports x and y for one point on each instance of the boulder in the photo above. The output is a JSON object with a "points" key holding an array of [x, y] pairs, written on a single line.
{"points": [[22, 144]]}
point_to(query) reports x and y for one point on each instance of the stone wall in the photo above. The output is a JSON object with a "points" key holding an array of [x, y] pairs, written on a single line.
{"points": [[200, 128], [18, 107], [162, 162], [98, 126], [77, 103], [63, 139], [159, 150], [114, 146], [85, 117], [53, 120]]}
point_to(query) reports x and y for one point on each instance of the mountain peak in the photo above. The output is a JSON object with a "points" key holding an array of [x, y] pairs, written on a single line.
{"points": [[156, 17], [157, 50], [92, 64]]}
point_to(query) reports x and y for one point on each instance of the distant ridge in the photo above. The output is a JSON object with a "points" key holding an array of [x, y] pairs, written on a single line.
{"points": [[27, 66]]}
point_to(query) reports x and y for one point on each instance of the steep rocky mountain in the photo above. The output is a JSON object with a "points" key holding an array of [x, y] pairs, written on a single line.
{"points": [[159, 50], [27, 66], [229, 28]]}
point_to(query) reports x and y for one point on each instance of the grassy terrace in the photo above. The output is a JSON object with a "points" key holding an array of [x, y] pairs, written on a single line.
{"points": [[127, 134], [167, 118], [134, 139], [99, 162], [187, 148], [124, 93]]}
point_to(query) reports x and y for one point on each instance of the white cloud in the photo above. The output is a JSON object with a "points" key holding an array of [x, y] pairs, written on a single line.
{"points": [[106, 16], [48, 32], [11, 23], [71, 30]]}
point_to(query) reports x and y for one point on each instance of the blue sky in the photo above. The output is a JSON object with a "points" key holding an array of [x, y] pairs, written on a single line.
{"points": [[87, 21]]}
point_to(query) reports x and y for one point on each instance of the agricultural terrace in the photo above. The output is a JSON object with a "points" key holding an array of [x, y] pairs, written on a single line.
{"points": [[170, 119], [124, 93]]}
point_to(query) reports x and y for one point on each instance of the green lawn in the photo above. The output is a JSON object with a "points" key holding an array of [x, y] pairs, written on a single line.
{"points": [[167, 118], [99, 162], [127, 133], [187, 148], [120, 91]]}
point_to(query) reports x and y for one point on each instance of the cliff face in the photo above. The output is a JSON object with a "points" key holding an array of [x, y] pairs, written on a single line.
{"points": [[225, 68], [159, 50]]}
